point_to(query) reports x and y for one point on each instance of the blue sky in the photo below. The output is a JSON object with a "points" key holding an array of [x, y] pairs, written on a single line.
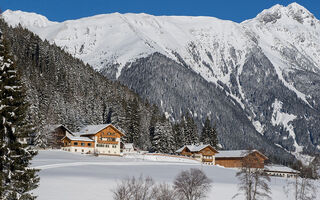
{"points": [[235, 10]]}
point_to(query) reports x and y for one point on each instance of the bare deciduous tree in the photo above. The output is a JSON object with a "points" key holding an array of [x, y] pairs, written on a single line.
{"points": [[143, 189], [254, 183], [192, 184], [164, 192], [134, 189], [303, 186]]}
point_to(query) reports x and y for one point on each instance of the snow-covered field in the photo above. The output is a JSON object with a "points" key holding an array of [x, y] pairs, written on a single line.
{"points": [[71, 176]]}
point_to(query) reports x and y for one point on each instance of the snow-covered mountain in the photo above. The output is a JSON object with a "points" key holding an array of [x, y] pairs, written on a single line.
{"points": [[268, 67]]}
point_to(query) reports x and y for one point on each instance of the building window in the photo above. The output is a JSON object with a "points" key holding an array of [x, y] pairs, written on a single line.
{"points": [[107, 146], [75, 143], [111, 139], [89, 144], [75, 150], [100, 145], [114, 146], [82, 150], [82, 144]]}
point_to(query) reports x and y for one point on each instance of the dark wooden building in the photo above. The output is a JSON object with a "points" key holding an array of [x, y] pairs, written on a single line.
{"points": [[240, 158]]}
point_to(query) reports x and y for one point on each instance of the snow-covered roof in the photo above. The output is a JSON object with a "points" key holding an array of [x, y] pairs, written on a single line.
{"points": [[194, 148], [128, 145], [279, 168], [77, 134], [73, 138], [55, 126], [92, 129], [229, 154], [235, 153]]}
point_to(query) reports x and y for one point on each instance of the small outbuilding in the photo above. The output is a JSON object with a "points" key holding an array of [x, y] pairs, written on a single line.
{"points": [[280, 171], [127, 148]]}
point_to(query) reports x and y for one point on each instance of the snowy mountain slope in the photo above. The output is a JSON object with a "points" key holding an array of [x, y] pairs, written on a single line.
{"points": [[269, 65], [121, 38], [289, 36]]}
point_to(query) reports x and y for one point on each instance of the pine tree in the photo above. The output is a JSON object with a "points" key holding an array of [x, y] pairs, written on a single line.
{"points": [[190, 130], [154, 119], [209, 134], [178, 136], [17, 179], [133, 118], [163, 140]]}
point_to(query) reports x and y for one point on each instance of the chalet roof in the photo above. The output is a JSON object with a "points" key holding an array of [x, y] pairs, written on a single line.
{"points": [[77, 134], [232, 154], [73, 138], [279, 168], [92, 129], [236, 153], [55, 126], [194, 148]]}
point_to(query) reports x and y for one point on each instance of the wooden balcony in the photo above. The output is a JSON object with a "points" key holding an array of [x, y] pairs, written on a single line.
{"points": [[107, 142], [207, 160]]}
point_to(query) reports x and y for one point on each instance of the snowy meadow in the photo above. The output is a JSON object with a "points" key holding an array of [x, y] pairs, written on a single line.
{"points": [[71, 176]]}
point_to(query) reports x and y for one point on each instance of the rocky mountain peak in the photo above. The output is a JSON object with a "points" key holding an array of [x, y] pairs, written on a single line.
{"points": [[293, 11], [267, 68], [299, 13]]}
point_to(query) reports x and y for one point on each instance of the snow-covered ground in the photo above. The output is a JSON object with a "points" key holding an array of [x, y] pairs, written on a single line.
{"points": [[71, 176]]}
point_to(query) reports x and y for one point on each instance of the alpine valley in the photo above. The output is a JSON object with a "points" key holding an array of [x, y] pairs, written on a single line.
{"points": [[258, 80]]}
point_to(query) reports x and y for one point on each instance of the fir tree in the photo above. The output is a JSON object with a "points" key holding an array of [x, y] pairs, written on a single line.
{"points": [[178, 136], [190, 130], [153, 121], [133, 118], [17, 179], [209, 134], [163, 140]]}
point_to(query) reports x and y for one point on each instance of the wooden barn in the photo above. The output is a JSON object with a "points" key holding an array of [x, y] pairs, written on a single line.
{"points": [[203, 153], [240, 158]]}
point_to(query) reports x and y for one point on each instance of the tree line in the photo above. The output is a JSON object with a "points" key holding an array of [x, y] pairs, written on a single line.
{"points": [[162, 135]]}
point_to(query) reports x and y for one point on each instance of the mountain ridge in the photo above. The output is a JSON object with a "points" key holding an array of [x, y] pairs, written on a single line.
{"points": [[280, 44]]}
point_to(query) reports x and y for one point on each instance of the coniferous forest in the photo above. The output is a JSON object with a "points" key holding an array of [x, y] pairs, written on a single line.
{"points": [[62, 89]]}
